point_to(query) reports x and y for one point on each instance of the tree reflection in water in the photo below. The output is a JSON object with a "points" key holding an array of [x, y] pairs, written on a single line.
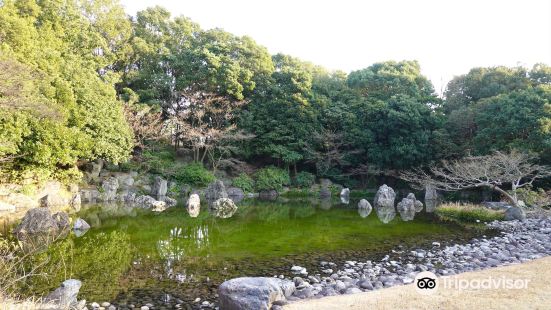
{"points": [[183, 242]]}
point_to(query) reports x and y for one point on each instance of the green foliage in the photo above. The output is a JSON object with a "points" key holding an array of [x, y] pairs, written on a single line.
{"points": [[500, 108], [194, 174], [383, 80], [55, 108], [271, 178], [304, 179], [160, 161], [468, 213], [244, 182], [533, 197], [514, 121], [298, 192]]}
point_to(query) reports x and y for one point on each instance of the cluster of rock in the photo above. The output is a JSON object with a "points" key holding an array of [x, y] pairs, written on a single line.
{"points": [[384, 205], [122, 187], [220, 201], [52, 195], [39, 224], [520, 241]]}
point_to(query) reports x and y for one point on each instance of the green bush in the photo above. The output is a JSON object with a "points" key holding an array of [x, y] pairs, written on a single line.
{"points": [[160, 162], [304, 179], [244, 182], [533, 197], [271, 178], [194, 174], [468, 213]]}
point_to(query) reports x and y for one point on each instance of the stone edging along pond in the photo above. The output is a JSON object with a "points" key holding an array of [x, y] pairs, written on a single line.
{"points": [[519, 241]]}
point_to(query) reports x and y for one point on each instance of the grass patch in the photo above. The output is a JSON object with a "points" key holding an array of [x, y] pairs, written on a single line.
{"points": [[468, 213], [299, 192]]}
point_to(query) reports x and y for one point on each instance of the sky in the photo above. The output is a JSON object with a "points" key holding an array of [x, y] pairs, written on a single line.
{"points": [[447, 37]]}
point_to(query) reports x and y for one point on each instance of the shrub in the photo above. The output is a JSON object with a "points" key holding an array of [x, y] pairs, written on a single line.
{"points": [[244, 182], [159, 162], [304, 179], [534, 197], [194, 174], [271, 178], [468, 213]]}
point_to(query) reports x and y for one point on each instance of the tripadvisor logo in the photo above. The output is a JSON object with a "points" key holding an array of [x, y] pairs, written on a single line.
{"points": [[426, 283]]}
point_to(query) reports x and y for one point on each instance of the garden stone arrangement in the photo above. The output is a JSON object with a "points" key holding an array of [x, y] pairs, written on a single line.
{"points": [[520, 241]]}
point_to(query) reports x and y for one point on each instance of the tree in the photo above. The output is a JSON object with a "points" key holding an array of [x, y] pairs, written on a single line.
{"points": [[205, 123], [65, 50], [383, 80], [490, 171], [514, 120], [280, 114], [395, 134], [146, 123]]}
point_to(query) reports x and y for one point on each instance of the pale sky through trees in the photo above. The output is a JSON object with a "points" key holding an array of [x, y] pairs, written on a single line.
{"points": [[447, 37]]}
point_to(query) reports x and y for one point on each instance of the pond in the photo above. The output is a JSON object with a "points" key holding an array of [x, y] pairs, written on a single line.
{"points": [[131, 256]]}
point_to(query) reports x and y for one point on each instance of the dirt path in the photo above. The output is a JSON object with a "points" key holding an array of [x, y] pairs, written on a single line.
{"points": [[537, 295]]}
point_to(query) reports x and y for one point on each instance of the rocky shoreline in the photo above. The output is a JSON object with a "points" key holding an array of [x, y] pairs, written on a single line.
{"points": [[518, 242]]}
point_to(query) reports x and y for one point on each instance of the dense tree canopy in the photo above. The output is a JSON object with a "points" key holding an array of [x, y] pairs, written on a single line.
{"points": [[67, 48], [67, 69]]}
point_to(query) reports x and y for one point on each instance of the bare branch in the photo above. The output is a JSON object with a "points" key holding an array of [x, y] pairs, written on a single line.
{"points": [[492, 171]]}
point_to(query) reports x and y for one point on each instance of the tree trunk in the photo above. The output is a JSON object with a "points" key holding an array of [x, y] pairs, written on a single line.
{"points": [[504, 193]]}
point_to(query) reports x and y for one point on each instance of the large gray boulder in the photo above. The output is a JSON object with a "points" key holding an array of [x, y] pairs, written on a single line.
{"points": [[406, 208], [215, 191], [110, 187], [193, 205], [325, 188], [65, 296], [515, 213], [170, 202], [418, 204], [251, 293], [236, 194], [160, 187], [40, 221], [93, 170], [148, 202], [223, 208], [431, 193], [89, 195], [384, 198], [364, 208], [432, 198]]}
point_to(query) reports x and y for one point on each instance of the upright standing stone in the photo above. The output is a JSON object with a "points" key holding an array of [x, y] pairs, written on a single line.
{"points": [[384, 197], [432, 199], [110, 187], [364, 208], [160, 187], [193, 205], [215, 191]]}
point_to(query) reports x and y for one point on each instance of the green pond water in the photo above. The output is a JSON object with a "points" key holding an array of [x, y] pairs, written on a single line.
{"points": [[134, 256]]}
